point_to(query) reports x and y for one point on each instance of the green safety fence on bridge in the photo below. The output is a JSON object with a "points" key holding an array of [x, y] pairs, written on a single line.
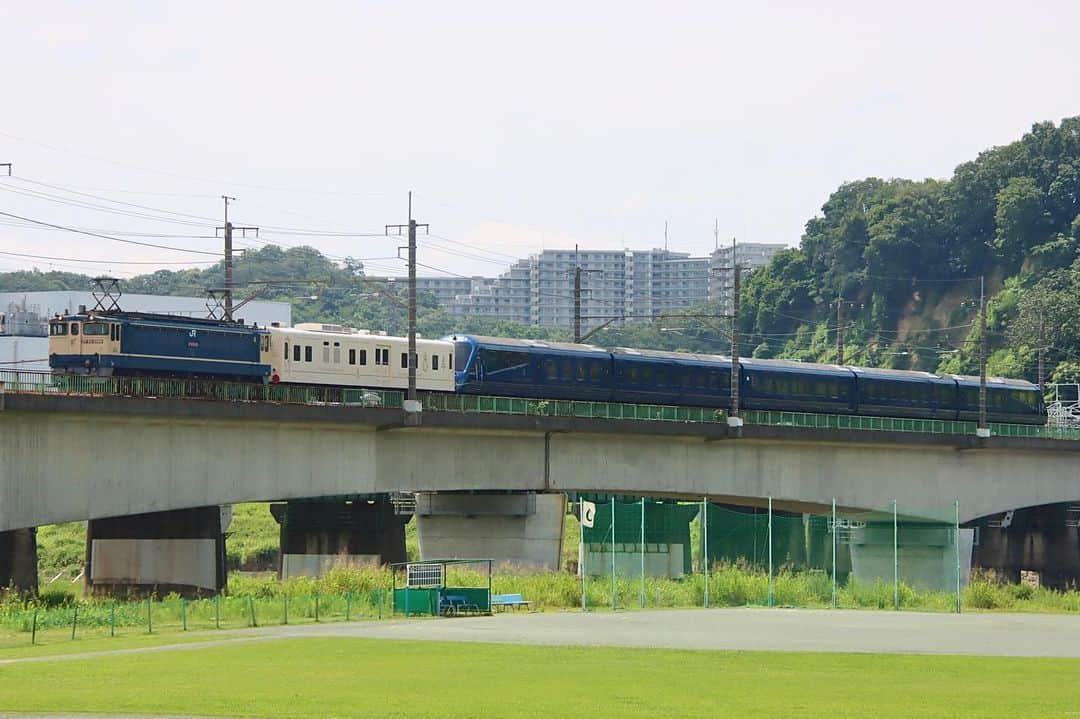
{"points": [[45, 383]]}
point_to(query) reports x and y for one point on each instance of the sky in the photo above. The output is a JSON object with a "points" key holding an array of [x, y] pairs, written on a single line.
{"points": [[517, 126]]}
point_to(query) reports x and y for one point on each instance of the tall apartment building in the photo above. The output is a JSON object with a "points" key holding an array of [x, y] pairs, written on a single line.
{"points": [[748, 255], [616, 284], [624, 285]]}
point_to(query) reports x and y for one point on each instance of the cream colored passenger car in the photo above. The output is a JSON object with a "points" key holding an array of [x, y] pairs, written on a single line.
{"points": [[312, 353]]}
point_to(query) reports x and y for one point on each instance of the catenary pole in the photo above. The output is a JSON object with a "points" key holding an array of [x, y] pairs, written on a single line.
{"points": [[412, 410], [984, 429]]}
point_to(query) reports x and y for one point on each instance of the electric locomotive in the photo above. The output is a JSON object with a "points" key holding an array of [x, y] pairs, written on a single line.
{"points": [[105, 344]]}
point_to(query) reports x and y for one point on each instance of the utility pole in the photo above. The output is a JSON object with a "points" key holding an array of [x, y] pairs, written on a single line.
{"points": [[1042, 352], [840, 330], [412, 406], [228, 230], [734, 420], [577, 272], [983, 429]]}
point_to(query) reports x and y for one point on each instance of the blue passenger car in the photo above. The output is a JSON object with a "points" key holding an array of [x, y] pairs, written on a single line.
{"points": [[797, 386], [1007, 400], [904, 393], [531, 368], [657, 377], [140, 344]]}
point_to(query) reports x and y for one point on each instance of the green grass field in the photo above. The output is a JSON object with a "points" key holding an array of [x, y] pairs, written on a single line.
{"points": [[345, 677]]}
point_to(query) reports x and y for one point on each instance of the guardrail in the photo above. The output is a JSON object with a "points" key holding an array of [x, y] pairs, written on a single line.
{"points": [[45, 383]]}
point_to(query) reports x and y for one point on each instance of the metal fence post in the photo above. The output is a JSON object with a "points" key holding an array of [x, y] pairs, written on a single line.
{"points": [[348, 605], [149, 620], [217, 611], [251, 610], [285, 608], [958, 595], [895, 558], [581, 552], [379, 598], [33, 628], [74, 621], [705, 545], [316, 606], [613, 601], [834, 553], [112, 619], [642, 547], [183, 614], [770, 554]]}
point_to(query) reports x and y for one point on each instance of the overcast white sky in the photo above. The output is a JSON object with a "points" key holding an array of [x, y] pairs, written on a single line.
{"points": [[517, 127]]}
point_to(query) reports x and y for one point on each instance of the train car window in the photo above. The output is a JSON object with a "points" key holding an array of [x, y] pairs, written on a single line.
{"points": [[296, 353], [661, 376], [404, 360], [326, 352], [352, 356], [450, 361], [95, 329], [337, 353], [714, 379], [434, 363], [363, 357], [266, 343], [647, 374], [566, 371], [286, 351], [308, 351], [580, 367], [596, 370], [633, 374], [74, 328]]}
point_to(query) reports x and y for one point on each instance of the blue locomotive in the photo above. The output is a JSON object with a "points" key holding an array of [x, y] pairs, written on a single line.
{"points": [[554, 370], [142, 344]]}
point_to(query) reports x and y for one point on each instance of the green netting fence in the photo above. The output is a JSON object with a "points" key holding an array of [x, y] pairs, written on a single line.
{"points": [[645, 552]]}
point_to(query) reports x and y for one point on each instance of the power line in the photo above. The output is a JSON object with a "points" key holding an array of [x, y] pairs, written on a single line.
{"points": [[105, 262], [107, 237]]}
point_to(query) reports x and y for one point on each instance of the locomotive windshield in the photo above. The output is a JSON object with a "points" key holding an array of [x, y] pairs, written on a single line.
{"points": [[95, 328]]}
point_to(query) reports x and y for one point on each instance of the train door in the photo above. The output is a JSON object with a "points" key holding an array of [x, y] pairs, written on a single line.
{"points": [[382, 360]]}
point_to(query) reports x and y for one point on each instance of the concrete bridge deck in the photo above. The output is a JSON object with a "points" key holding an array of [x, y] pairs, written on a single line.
{"points": [[65, 458]]}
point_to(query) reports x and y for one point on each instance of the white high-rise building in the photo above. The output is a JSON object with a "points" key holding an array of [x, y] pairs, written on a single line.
{"points": [[749, 256]]}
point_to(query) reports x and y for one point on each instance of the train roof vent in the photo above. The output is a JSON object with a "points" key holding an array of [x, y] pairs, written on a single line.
{"points": [[319, 327]]}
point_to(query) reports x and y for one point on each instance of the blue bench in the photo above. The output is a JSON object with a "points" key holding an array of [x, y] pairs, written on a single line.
{"points": [[504, 601], [451, 605]]}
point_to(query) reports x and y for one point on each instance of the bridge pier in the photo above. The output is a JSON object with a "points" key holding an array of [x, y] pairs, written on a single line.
{"points": [[1043, 539], [319, 534], [926, 554], [182, 551], [523, 529], [18, 560]]}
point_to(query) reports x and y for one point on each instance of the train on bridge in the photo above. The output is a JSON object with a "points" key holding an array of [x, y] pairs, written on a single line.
{"points": [[141, 344]]}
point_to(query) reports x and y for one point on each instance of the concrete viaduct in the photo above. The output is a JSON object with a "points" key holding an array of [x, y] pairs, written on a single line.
{"points": [[66, 458]]}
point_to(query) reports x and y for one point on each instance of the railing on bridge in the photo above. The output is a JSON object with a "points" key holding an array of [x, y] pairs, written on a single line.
{"points": [[45, 383]]}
